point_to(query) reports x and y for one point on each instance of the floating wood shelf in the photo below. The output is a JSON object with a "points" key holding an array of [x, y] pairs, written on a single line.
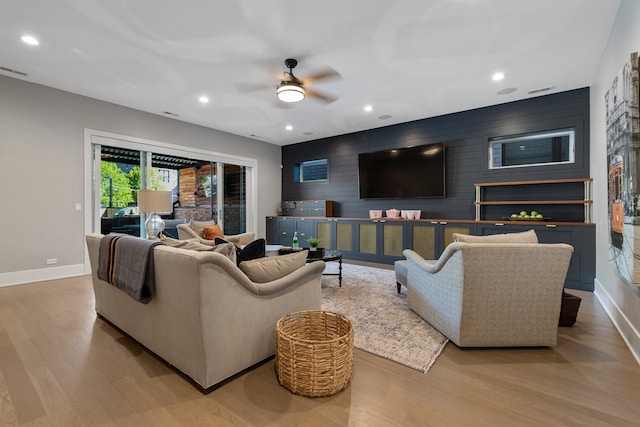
{"points": [[586, 200]]}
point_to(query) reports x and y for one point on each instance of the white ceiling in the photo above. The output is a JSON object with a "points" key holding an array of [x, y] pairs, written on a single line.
{"points": [[408, 59]]}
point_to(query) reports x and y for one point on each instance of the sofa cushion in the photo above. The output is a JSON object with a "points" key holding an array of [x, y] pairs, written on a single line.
{"points": [[271, 268], [210, 233], [198, 226], [528, 236]]}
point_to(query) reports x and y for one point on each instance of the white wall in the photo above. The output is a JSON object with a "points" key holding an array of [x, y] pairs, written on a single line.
{"points": [[42, 176], [621, 301]]}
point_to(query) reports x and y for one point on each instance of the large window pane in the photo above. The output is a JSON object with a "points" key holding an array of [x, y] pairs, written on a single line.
{"points": [[119, 184], [198, 187], [235, 196]]}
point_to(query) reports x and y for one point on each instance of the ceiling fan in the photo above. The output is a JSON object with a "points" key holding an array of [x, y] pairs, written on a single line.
{"points": [[293, 89]]}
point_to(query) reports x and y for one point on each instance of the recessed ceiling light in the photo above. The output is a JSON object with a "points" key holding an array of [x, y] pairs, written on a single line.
{"points": [[497, 77], [30, 40], [368, 108], [289, 127], [203, 99]]}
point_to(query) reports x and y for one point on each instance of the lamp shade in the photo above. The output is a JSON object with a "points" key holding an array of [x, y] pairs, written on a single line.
{"points": [[154, 201]]}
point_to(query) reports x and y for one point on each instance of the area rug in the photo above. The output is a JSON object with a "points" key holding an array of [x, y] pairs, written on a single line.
{"points": [[382, 321]]}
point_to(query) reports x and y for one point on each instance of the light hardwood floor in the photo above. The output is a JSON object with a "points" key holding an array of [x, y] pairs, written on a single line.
{"points": [[62, 366]]}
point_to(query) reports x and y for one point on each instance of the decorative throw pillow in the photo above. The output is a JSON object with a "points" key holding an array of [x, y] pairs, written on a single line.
{"points": [[198, 226], [271, 268], [253, 250], [210, 233], [528, 236]]}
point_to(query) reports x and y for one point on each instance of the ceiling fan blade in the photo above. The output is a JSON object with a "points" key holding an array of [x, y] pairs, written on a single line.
{"points": [[252, 87], [320, 96], [326, 74]]}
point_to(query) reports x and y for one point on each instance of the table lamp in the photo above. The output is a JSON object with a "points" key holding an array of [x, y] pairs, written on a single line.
{"points": [[151, 202]]}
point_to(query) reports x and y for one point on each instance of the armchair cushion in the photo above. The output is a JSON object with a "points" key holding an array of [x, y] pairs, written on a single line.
{"points": [[271, 268], [528, 236]]}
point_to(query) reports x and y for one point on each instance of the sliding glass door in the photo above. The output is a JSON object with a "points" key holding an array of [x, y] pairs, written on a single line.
{"points": [[202, 189]]}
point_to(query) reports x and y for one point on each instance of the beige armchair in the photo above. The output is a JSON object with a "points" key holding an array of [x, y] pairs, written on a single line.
{"points": [[193, 230], [491, 294]]}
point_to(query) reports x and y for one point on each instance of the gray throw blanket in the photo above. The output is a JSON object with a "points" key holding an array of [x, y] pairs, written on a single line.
{"points": [[126, 262]]}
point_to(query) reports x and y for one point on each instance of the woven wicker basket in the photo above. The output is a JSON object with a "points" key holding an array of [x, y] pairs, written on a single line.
{"points": [[314, 352]]}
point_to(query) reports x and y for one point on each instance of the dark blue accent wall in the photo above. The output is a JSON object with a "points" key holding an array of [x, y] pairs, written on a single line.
{"points": [[466, 136]]}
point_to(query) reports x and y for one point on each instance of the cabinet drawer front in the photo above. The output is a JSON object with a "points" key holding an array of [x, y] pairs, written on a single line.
{"points": [[317, 204]]}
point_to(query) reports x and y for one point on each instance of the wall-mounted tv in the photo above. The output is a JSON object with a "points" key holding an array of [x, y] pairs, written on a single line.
{"points": [[402, 173]]}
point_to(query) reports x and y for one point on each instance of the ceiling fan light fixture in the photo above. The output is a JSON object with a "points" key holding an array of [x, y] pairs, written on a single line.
{"points": [[290, 92]]}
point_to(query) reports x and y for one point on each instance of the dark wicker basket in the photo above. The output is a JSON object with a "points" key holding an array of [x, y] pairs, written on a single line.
{"points": [[569, 309], [314, 352]]}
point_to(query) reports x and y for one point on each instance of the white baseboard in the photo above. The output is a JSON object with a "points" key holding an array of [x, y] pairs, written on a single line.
{"points": [[41, 274], [627, 330]]}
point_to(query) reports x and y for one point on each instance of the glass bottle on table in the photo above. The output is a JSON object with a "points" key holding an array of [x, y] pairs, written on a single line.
{"points": [[295, 240]]}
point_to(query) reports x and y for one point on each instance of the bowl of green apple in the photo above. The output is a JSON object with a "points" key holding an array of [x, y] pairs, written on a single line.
{"points": [[528, 216]]}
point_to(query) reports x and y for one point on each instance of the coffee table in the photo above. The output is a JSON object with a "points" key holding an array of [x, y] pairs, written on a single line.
{"points": [[326, 255], [329, 255]]}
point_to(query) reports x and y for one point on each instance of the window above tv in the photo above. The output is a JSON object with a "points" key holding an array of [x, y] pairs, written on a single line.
{"points": [[534, 149]]}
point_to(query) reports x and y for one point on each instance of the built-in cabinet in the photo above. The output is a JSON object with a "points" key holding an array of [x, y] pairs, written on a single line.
{"points": [[304, 208], [368, 240], [566, 203], [382, 241]]}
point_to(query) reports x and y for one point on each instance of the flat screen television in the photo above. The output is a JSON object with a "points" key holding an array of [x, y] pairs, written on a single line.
{"points": [[402, 173]]}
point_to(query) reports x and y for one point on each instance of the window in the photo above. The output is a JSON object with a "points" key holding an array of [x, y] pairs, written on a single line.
{"points": [[204, 186], [312, 170], [553, 147]]}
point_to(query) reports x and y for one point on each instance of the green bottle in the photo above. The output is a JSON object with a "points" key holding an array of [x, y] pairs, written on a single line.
{"points": [[295, 240]]}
